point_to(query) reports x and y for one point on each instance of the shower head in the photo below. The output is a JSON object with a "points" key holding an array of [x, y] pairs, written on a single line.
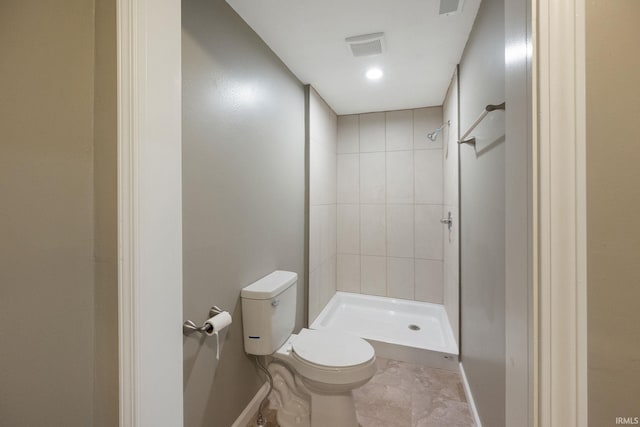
{"points": [[433, 136]]}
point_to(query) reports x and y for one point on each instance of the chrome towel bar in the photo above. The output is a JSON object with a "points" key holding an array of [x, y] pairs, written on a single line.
{"points": [[489, 108]]}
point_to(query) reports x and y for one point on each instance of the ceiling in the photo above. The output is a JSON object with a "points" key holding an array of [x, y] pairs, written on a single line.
{"points": [[422, 47]]}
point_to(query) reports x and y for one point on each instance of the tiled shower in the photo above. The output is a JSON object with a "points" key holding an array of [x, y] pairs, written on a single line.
{"points": [[376, 200], [389, 180]]}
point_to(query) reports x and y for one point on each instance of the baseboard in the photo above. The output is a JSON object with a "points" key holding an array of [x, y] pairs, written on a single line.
{"points": [[252, 408], [472, 403]]}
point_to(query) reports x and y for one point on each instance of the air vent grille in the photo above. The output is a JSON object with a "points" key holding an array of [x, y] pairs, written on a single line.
{"points": [[366, 44], [449, 7], [367, 48]]}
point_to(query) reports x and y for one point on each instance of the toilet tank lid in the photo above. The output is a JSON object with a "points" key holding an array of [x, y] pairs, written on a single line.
{"points": [[270, 285]]}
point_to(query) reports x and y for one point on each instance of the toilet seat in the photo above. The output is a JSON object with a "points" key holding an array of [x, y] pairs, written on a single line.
{"points": [[327, 348], [331, 357]]}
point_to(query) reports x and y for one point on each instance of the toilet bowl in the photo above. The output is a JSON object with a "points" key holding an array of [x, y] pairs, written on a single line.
{"points": [[327, 364], [330, 364]]}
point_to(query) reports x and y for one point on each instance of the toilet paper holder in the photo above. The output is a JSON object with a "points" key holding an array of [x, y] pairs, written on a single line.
{"points": [[189, 327]]}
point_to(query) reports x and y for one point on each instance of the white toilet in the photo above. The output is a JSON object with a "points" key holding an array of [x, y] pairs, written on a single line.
{"points": [[328, 363]]}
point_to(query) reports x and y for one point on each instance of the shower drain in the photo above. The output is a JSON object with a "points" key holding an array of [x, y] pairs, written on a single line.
{"points": [[414, 327]]}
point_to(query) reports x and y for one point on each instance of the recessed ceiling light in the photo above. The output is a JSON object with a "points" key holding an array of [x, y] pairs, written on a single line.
{"points": [[374, 73]]}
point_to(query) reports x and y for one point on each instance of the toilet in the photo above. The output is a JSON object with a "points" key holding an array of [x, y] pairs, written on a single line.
{"points": [[327, 364]]}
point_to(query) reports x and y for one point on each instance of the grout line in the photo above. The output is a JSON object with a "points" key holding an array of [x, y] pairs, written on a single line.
{"points": [[386, 200], [393, 151], [413, 126], [336, 201], [358, 204]]}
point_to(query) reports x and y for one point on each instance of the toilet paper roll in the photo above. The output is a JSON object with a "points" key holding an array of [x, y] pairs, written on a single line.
{"points": [[218, 323]]}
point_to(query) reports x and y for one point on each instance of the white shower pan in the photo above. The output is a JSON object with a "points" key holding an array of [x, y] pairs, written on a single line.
{"points": [[410, 331]]}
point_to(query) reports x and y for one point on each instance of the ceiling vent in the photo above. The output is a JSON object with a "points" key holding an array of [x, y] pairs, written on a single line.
{"points": [[450, 7], [366, 44]]}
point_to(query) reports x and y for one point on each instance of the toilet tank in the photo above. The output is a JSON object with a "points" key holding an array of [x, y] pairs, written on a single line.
{"points": [[269, 312]]}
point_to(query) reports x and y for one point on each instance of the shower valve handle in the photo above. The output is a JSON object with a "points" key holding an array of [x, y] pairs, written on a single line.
{"points": [[448, 220]]}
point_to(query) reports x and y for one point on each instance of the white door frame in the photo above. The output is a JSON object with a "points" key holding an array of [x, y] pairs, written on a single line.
{"points": [[562, 363], [150, 222], [149, 213]]}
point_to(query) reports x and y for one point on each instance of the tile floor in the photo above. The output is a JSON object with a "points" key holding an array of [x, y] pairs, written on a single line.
{"points": [[407, 395]]}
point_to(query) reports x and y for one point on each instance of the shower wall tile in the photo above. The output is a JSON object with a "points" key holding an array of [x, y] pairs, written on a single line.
{"points": [[429, 232], [399, 130], [425, 121], [349, 229], [451, 263], [400, 278], [400, 177], [372, 230], [348, 273], [400, 231], [348, 178], [450, 247], [372, 132], [330, 178], [428, 176], [322, 121], [322, 172], [451, 294], [328, 230], [323, 133], [328, 278], [429, 281], [372, 178], [315, 171], [314, 237], [450, 170], [373, 275], [314, 293], [348, 134], [389, 195]]}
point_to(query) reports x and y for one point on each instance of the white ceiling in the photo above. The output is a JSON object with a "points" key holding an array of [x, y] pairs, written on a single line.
{"points": [[422, 47]]}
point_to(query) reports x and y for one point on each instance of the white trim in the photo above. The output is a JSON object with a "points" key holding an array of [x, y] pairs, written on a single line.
{"points": [[563, 349], [581, 213], [149, 213], [127, 218], [251, 409], [470, 401]]}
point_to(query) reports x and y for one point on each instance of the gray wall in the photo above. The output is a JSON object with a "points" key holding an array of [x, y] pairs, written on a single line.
{"points": [[243, 194], [482, 216], [613, 203], [48, 304]]}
